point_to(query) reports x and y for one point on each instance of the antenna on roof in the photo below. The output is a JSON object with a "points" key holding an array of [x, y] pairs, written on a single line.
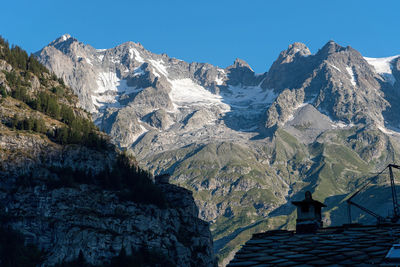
{"points": [[396, 210]]}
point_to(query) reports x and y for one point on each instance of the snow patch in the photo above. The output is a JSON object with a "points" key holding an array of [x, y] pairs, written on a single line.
{"points": [[388, 131], [335, 124], [136, 56], [138, 71], [185, 92], [159, 66], [89, 61], [109, 89], [115, 60], [335, 67], [353, 77], [383, 67], [100, 57], [340, 124], [219, 80], [65, 37]]}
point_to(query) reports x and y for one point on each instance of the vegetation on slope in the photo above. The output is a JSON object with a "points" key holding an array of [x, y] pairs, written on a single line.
{"points": [[34, 101], [51, 98]]}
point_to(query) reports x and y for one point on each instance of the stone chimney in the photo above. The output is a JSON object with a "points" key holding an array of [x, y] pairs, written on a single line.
{"points": [[308, 214]]}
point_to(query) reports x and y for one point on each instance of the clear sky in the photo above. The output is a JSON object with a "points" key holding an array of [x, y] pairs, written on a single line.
{"points": [[215, 31]]}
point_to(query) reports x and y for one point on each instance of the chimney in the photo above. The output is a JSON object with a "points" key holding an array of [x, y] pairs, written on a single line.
{"points": [[308, 214]]}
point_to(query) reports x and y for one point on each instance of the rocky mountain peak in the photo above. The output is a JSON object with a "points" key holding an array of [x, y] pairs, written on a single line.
{"points": [[67, 44], [241, 73], [240, 63], [298, 48], [66, 38], [294, 50], [330, 47]]}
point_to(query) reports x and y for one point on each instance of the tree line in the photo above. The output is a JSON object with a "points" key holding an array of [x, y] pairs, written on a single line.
{"points": [[130, 182], [19, 59], [77, 130]]}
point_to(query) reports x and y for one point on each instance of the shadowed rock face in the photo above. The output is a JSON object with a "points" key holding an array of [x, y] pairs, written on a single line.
{"points": [[244, 143], [100, 225]]}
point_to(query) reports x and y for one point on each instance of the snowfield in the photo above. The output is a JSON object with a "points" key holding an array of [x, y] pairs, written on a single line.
{"points": [[185, 92], [383, 67]]}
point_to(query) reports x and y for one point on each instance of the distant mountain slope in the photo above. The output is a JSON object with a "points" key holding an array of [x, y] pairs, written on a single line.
{"points": [[68, 195], [244, 143]]}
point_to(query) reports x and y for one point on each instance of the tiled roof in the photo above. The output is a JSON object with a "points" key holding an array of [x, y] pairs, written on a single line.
{"points": [[353, 245]]}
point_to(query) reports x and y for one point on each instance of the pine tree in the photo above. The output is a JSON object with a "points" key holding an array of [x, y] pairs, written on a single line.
{"points": [[3, 91]]}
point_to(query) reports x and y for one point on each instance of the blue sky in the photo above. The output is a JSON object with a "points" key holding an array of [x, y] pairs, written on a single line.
{"points": [[208, 31]]}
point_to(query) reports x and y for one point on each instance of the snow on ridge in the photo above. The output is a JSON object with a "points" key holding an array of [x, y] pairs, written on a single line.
{"points": [[335, 67], [219, 80], [88, 61], [65, 37], [137, 56], [353, 77], [391, 131], [383, 66], [159, 66]]}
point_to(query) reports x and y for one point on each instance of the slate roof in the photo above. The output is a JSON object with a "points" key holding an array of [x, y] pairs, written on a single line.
{"points": [[352, 245]]}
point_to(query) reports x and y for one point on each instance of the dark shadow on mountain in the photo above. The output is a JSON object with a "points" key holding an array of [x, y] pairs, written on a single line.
{"points": [[265, 133], [139, 139], [107, 120], [311, 178], [196, 149], [390, 114], [220, 243], [376, 198]]}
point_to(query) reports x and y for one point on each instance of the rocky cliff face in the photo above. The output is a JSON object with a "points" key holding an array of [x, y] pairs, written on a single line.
{"points": [[67, 196], [244, 143], [65, 221]]}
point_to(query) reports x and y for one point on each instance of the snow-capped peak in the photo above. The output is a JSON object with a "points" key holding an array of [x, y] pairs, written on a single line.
{"points": [[65, 37]]}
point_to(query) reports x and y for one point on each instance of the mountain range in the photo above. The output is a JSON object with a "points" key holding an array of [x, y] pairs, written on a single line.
{"points": [[245, 143], [71, 198]]}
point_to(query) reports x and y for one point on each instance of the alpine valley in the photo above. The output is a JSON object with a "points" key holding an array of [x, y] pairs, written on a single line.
{"points": [[244, 143]]}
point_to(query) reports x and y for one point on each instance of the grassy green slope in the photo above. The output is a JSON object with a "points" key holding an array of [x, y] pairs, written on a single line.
{"points": [[242, 192]]}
